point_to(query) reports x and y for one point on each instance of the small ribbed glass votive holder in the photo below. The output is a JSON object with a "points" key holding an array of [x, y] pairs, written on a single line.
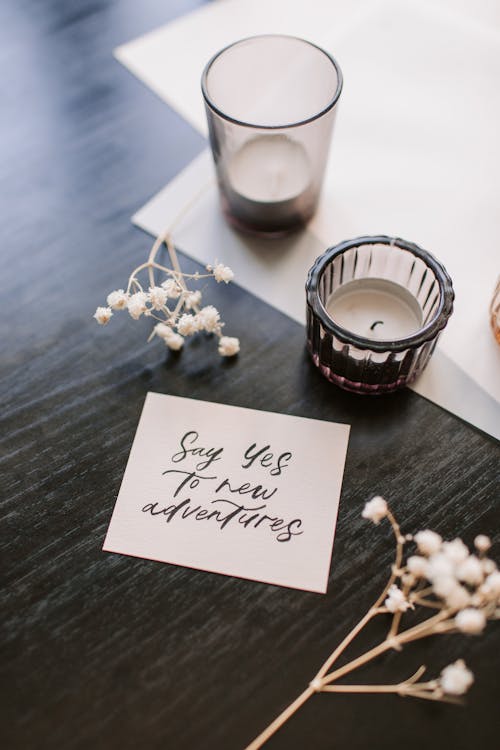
{"points": [[375, 309]]}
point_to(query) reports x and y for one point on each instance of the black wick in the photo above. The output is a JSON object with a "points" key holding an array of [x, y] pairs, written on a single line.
{"points": [[376, 323]]}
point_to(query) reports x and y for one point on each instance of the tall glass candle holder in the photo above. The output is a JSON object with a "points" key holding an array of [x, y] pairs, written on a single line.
{"points": [[270, 103], [375, 309]]}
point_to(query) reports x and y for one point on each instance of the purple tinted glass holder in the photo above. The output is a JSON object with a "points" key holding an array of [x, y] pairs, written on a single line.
{"points": [[363, 365]]}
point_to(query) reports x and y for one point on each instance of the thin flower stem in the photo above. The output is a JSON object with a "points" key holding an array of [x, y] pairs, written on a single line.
{"points": [[425, 591], [164, 237], [171, 250], [407, 685], [152, 255], [441, 697], [421, 630], [425, 690], [400, 540], [364, 688], [132, 277], [347, 640], [189, 205], [426, 603], [396, 619], [374, 610], [430, 685], [359, 661], [361, 689], [280, 720], [178, 274], [156, 317], [418, 674], [175, 260], [178, 307]]}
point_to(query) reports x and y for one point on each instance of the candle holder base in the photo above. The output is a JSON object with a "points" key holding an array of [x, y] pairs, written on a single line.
{"points": [[365, 389], [263, 229]]}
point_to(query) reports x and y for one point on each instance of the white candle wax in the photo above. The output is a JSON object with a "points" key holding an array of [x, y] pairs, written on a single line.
{"points": [[376, 309], [270, 169], [267, 182]]}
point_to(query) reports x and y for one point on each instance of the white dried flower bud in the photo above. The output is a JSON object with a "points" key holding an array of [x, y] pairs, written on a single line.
{"points": [[491, 586], [163, 331], [456, 679], [440, 566], [396, 600], [228, 346], [471, 571], [316, 684], [375, 509], [187, 325], [417, 565], [443, 586], [456, 551], [172, 288], [489, 566], [117, 300], [476, 599], [103, 315], [209, 319], [192, 299], [482, 543], [223, 273], [407, 579], [157, 297], [136, 304], [174, 342], [471, 621], [458, 597], [428, 542]]}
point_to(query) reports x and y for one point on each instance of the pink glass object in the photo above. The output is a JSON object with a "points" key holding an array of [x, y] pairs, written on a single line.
{"points": [[495, 312], [270, 103], [375, 309]]}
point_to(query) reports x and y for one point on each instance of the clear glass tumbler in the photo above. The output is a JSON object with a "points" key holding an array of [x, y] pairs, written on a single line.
{"points": [[270, 103]]}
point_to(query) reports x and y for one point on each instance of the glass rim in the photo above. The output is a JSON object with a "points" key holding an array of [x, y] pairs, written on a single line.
{"points": [[425, 334], [210, 103]]}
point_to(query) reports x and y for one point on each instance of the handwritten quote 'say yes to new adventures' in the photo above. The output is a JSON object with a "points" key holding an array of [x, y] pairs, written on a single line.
{"points": [[229, 490]]}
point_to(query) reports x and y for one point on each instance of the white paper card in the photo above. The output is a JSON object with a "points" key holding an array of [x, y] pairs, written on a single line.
{"points": [[230, 490]]}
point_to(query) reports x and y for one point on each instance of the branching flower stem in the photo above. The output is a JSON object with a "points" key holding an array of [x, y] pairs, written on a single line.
{"points": [[455, 679], [375, 609], [183, 318]]}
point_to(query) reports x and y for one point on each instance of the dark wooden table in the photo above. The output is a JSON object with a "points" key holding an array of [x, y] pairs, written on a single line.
{"points": [[106, 651]]}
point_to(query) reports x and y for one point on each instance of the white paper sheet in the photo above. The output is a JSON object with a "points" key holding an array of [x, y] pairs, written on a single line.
{"points": [[232, 491], [275, 271], [415, 151]]}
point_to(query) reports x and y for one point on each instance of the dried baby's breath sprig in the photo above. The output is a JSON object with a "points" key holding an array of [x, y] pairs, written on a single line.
{"points": [[176, 308], [462, 589]]}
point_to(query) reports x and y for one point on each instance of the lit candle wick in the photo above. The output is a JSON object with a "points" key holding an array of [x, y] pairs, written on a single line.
{"points": [[376, 323]]}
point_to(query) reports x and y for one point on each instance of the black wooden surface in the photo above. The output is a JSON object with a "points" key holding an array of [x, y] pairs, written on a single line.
{"points": [[106, 651]]}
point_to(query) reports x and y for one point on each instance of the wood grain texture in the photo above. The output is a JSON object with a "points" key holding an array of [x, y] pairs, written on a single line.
{"points": [[106, 651]]}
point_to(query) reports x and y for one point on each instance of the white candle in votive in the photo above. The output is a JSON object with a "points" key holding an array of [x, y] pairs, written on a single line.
{"points": [[268, 181], [270, 169], [376, 309]]}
